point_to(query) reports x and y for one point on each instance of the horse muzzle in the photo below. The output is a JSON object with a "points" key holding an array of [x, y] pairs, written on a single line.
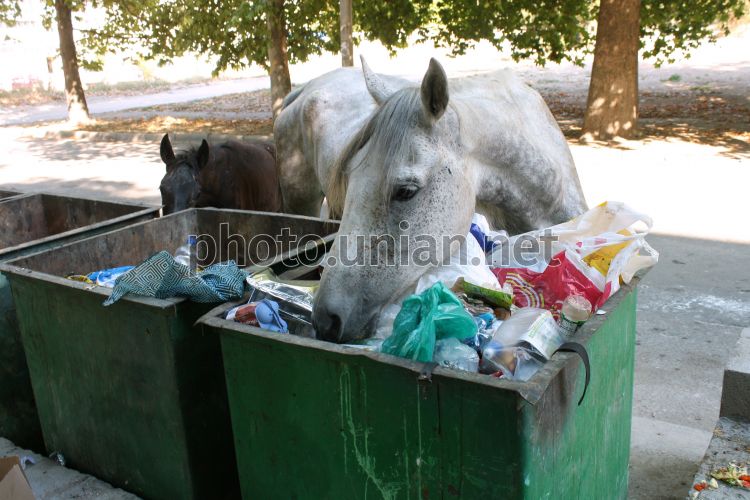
{"points": [[337, 321]]}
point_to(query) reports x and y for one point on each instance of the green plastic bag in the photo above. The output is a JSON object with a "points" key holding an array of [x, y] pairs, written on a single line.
{"points": [[423, 319]]}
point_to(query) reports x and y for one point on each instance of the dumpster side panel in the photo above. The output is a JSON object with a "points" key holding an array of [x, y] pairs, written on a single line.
{"points": [[480, 437], [583, 451], [308, 425], [205, 411], [112, 377], [18, 417], [19, 421], [311, 423]]}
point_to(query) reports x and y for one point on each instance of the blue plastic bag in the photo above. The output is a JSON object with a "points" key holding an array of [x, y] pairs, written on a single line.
{"points": [[432, 315]]}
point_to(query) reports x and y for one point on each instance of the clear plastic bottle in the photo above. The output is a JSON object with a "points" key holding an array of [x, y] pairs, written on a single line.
{"points": [[187, 254]]}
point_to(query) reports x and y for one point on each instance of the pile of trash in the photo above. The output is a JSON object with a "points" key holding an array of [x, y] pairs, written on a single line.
{"points": [[493, 309], [507, 315], [497, 308], [267, 292]]}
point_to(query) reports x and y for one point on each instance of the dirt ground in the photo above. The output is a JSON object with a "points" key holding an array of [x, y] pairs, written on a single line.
{"points": [[709, 108], [698, 114]]}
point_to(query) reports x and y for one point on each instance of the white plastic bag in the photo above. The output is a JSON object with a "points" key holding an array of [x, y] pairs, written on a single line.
{"points": [[468, 263]]}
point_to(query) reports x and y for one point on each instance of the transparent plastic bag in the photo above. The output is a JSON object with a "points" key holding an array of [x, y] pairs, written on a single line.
{"points": [[452, 353], [535, 328], [515, 363], [298, 293]]}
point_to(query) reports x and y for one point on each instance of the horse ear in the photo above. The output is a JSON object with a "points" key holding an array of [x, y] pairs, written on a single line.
{"points": [[203, 154], [434, 91], [166, 151], [379, 89]]}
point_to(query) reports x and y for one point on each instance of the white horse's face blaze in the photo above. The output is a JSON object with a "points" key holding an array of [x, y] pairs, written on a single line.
{"points": [[404, 211]]}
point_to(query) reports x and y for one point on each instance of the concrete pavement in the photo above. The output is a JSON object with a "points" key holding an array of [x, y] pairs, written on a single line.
{"points": [[50, 481]]}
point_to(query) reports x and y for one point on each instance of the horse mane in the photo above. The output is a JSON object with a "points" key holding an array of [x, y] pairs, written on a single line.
{"points": [[386, 131], [291, 97]]}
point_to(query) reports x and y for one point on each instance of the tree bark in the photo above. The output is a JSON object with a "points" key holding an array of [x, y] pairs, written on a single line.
{"points": [[347, 43], [78, 110], [612, 106], [278, 70]]}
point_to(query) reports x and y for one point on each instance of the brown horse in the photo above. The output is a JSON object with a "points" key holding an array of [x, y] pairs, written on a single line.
{"points": [[230, 175]]}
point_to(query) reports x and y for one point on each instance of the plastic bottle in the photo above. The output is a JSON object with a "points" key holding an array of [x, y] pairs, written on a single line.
{"points": [[576, 309], [187, 254]]}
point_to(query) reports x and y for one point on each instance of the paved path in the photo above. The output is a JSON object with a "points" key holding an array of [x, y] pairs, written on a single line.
{"points": [[98, 105], [50, 481]]}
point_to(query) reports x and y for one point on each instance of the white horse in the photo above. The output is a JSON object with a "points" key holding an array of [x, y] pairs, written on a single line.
{"points": [[410, 176]]}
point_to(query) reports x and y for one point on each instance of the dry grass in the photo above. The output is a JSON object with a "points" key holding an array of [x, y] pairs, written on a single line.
{"points": [[164, 124]]}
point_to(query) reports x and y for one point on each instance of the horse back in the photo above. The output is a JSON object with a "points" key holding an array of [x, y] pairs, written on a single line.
{"points": [[249, 170]]}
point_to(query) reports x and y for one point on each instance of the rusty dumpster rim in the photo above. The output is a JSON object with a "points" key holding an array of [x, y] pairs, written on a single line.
{"points": [[145, 210], [9, 267]]}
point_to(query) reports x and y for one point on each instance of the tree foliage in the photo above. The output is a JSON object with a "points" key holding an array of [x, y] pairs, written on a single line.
{"points": [[10, 11], [543, 30], [235, 30], [557, 30], [671, 28]]}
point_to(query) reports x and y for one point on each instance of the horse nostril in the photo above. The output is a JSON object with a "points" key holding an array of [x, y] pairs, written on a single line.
{"points": [[327, 326]]}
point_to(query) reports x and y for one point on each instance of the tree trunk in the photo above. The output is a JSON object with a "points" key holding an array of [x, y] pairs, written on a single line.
{"points": [[281, 83], [78, 110], [612, 107], [347, 43]]}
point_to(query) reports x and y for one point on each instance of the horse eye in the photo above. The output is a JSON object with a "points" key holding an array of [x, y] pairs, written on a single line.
{"points": [[405, 192]]}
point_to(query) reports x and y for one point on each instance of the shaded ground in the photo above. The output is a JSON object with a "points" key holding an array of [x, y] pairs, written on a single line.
{"points": [[702, 114], [698, 114], [171, 123]]}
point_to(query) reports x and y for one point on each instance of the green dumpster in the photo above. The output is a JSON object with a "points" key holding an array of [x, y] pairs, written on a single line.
{"points": [[317, 420], [28, 224], [5, 194], [134, 393]]}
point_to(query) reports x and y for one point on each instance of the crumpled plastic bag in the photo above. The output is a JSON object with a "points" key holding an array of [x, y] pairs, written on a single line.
{"points": [[468, 263], [434, 314], [588, 256]]}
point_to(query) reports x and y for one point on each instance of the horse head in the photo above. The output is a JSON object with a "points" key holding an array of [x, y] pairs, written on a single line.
{"points": [[406, 198], [181, 187]]}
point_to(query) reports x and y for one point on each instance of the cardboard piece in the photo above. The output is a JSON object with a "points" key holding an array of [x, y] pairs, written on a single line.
{"points": [[13, 482]]}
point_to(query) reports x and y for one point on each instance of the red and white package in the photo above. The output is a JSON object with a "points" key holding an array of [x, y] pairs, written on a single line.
{"points": [[589, 256], [549, 288]]}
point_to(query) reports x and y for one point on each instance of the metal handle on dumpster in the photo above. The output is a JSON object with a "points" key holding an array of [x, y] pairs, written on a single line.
{"points": [[581, 351], [426, 372]]}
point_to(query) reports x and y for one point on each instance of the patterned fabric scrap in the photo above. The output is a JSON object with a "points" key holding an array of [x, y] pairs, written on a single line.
{"points": [[161, 277]]}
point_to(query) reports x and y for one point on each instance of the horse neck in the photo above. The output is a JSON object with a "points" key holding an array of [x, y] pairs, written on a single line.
{"points": [[516, 167]]}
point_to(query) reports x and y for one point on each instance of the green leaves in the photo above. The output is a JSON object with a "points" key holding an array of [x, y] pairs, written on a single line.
{"points": [[235, 30], [543, 30], [549, 30], [669, 28], [10, 11]]}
